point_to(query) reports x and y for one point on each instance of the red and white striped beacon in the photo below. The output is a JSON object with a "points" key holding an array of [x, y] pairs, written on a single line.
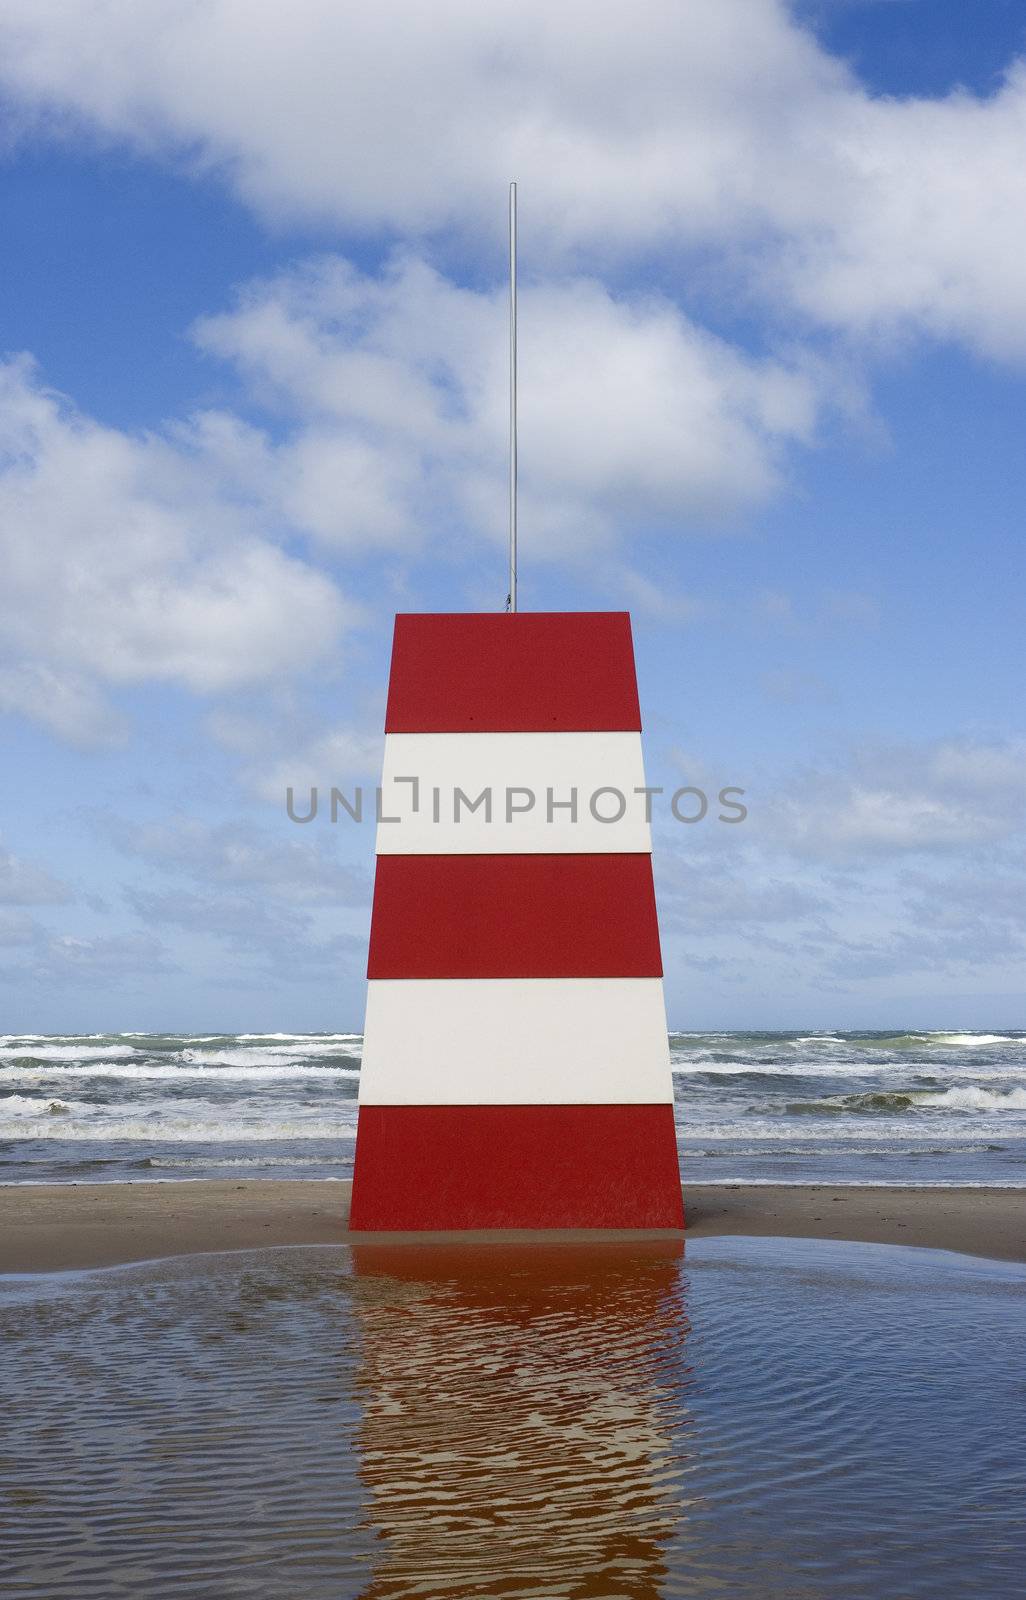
{"points": [[516, 1069]]}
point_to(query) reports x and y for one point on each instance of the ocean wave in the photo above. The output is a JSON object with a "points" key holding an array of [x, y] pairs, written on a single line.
{"points": [[311, 1038], [245, 1161], [257, 1058], [837, 1070], [241, 1122], [928, 1040], [897, 1150], [66, 1052], [797, 1070], [55, 1038], [730, 1069], [970, 1040], [30, 1105], [968, 1097], [169, 1130], [145, 1071], [972, 1098], [847, 1131], [874, 1182]]}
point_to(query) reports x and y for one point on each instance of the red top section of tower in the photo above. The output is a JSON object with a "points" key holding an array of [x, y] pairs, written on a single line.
{"points": [[529, 672]]}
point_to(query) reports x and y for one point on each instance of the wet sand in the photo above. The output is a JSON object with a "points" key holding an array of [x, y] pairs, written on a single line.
{"points": [[56, 1227]]}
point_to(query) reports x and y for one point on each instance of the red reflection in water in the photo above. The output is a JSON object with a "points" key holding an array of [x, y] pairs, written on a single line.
{"points": [[523, 1416]]}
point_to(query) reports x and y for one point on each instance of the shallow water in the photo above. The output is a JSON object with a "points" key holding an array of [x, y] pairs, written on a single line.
{"points": [[749, 1418], [919, 1108]]}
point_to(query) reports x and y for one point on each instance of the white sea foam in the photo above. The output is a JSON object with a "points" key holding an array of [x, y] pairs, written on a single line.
{"points": [[969, 1040], [311, 1038], [147, 1131], [728, 1069], [972, 1098], [861, 1137], [55, 1038], [796, 1070], [18, 1106], [257, 1058], [146, 1071], [875, 1182], [67, 1052], [177, 1122], [251, 1161]]}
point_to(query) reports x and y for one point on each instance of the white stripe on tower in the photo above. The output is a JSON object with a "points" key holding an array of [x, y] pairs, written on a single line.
{"points": [[516, 1041], [544, 792]]}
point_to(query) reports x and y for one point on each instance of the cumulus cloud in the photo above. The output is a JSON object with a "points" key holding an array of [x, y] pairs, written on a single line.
{"points": [[395, 387], [856, 211], [161, 557], [126, 561], [405, 118]]}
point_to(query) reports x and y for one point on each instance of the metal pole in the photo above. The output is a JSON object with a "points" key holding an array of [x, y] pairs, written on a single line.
{"points": [[511, 601]]}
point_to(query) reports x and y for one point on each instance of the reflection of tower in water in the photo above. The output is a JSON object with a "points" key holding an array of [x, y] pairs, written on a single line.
{"points": [[523, 1411]]}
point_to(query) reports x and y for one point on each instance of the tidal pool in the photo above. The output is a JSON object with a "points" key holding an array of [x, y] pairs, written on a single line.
{"points": [[735, 1418]]}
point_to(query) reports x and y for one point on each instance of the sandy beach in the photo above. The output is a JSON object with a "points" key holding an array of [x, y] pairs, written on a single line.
{"points": [[57, 1227]]}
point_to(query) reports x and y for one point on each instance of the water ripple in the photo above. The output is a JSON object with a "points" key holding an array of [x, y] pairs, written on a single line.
{"points": [[762, 1419]]}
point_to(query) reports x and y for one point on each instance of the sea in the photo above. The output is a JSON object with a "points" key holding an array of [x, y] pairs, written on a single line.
{"points": [[924, 1108]]}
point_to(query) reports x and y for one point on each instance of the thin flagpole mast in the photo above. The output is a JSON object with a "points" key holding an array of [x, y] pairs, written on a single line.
{"points": [[511, 599]]}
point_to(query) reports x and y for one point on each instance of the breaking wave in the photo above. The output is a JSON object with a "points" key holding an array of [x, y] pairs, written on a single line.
{"points": [[968, 1097], [279, 1072], [64, 1052]]}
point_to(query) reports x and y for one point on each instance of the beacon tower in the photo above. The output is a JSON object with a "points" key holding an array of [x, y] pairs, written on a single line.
{"points": [[516, 1068]]}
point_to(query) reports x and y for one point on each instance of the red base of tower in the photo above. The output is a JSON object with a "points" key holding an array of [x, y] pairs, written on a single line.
{"points": [[440, 1168]]}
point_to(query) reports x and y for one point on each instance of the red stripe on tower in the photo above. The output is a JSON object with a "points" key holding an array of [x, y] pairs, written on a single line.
{"points": [[532, 672], [514, 916], [516, 1070]]}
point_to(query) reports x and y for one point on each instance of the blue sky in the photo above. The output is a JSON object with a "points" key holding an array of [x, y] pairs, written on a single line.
{"points": [[773, 368]]}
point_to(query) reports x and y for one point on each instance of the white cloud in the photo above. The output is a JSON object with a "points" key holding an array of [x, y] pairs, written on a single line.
{"points": [[276, 895], [711, 895], [18, 928], [63, 701], [272, 867], [278, 752], [660, 126], [283, 941], [908, 861], [22, 884], [158, 558], [394, 387], [930, 223], [942, 796], [402, 117], [125, 562], [73, 961]]}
